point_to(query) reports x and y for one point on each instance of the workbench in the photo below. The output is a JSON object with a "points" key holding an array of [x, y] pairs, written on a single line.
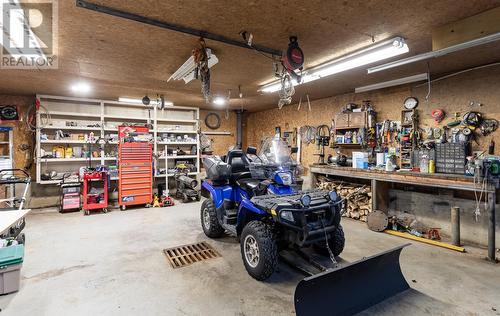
{"points": [[10, 218], [381, 179]]}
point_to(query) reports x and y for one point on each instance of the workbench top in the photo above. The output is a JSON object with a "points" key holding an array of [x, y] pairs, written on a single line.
{"points": [[451, 181], [9, 218]]}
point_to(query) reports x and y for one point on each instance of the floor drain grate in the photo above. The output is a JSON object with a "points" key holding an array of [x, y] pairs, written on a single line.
{"points": [[182, 256]]}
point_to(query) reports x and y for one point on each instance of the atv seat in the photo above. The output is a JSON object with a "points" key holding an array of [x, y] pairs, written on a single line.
{"points": [[253, 187], [239, 165]]}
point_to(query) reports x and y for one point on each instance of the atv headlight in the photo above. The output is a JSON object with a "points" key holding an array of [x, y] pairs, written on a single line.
{"points": [[305, 200], [287, 215], [332, 195]]}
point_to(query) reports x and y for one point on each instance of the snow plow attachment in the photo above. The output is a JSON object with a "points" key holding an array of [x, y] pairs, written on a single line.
{"points": [[352, 288]]}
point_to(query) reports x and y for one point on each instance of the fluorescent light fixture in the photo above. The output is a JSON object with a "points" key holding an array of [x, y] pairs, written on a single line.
{"points": [[440, 52], [187, 71], [373, 53], [392, 83], [139, 101], [81, 87], [273, 87], [220, 101]]}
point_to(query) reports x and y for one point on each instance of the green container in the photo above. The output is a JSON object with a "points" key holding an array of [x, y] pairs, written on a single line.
{"points": [[11, 255], [11, 260]]}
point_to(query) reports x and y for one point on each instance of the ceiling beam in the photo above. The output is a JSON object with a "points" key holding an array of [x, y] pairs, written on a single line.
{"points": [[173, 27]]}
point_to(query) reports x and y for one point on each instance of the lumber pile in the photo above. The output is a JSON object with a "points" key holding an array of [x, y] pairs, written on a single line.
{"points": [[358, 198]]}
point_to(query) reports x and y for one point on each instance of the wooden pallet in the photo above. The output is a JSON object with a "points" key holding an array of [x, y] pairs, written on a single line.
{"points": [[185, 255]]}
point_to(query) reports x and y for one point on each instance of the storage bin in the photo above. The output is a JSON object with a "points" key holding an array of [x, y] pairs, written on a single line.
{"points": [[11, 259]]}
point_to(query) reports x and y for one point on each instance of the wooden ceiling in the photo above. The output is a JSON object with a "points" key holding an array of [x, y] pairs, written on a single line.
{"points": [[125, 58]]}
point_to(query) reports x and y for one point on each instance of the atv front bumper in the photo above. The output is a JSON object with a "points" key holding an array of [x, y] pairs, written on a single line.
{"points": [[309, 226], [299, 224]]}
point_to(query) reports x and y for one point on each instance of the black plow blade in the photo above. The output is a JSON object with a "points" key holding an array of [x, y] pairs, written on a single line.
{"points": [[352, 288]]}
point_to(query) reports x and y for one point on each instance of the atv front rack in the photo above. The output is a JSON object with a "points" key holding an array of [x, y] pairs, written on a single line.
{"points": [[311, 223], [267, 202]]}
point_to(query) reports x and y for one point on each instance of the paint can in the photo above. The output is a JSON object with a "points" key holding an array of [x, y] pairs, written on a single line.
{"points": [[432, 166]]}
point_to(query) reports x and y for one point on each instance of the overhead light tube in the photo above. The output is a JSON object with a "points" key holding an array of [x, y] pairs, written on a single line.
{"points": [[392, 83], [220, 101], [437, 53], [373, 53]]}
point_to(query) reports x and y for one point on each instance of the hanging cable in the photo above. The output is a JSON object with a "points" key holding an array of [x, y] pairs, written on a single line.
{"points": [[428, 82], [287, 90], [459, 73]]}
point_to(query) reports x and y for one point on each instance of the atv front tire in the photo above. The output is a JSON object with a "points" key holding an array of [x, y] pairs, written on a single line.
{"points": [[336, 243], [209, 221], [259, 250]]}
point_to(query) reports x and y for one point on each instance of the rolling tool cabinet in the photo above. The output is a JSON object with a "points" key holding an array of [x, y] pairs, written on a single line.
{"points": [[135, 166], [95, 197]]}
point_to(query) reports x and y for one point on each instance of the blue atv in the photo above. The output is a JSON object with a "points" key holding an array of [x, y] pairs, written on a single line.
{"points": [[254, 198]]}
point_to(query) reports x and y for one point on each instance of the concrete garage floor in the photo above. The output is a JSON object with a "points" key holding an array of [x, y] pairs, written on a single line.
{"points": [[112, 264]]}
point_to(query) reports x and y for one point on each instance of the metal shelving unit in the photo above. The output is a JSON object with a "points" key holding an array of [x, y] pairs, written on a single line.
{"points": [[7, 159], [102, 117]]}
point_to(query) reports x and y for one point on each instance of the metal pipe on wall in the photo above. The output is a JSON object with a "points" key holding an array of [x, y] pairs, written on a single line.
{"points": [[455, 225], [491, 226], [239, 127]]}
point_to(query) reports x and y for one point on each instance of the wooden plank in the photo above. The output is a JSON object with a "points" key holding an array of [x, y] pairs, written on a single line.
{"points": [[456, 182], [424, 240], [467, 29]]}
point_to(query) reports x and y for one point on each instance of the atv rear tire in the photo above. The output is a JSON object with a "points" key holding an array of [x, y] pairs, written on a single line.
{"points": [[259, 250], [336, 243], [209, 221]]}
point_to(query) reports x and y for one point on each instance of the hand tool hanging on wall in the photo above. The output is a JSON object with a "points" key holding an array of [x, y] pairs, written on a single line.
{"points": [[488, 126], [437, 115], [308, 103], [456, 120], [472, 118], [322, 141], [307, 134]]}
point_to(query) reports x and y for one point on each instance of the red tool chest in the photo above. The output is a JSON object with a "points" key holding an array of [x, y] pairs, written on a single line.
{"points": [[135, 167]]}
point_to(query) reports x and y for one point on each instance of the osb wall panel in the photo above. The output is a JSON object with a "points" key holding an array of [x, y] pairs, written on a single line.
{"points": [[221, 143], [454, 95], [21, 133], [451, 95]]}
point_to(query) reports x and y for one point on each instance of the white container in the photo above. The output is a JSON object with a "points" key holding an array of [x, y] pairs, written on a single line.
{"points": [[10, 278], [380, 159], [359, 160]]}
